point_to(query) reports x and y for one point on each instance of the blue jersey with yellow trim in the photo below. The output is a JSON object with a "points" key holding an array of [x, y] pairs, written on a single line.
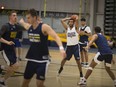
{"points": [[9, 33], [39, 44]]}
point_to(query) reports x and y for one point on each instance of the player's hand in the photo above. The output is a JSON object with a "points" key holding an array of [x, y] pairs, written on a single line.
{"points": [[63, 53], [10, 43], [21, 21], [81, 33], [86, 48]]}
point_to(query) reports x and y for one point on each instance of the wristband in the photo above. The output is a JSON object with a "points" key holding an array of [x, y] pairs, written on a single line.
{"points": [[61, 47]]}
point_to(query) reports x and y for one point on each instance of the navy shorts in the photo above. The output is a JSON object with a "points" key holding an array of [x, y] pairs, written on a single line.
{"points": [[73, 50], [107, 58], [17, 43], [82, 45], [35, 68], [9, 57]]}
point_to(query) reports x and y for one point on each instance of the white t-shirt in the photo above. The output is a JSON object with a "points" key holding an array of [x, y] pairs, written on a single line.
{"points": [[72, 36], [87, 29]]}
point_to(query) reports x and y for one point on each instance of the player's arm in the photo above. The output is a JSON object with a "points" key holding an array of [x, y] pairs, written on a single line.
{"points": [[77, 23], [24, 24], [6, 42], [2, 31], [47, 30], [63, 21], [94, 37], [87, 34]]}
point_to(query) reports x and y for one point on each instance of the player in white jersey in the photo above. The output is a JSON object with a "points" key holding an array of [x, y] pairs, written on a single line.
{"points": [[72, 43]]}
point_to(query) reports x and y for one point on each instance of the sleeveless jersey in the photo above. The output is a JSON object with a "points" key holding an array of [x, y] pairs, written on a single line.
{"points": [[39, 44], [102, 45], [83, 38], [72, 36]]}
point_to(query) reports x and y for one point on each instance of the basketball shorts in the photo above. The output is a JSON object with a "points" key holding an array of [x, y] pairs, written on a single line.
{"points": [[9, 57], [39, 69], [107, 58], [73, 50], [82, 45]]}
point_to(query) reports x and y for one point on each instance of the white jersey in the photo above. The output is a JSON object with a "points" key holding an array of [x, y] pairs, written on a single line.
{"points": [[72, 36]]}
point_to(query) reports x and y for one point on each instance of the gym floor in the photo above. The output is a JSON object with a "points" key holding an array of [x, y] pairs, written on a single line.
{"points": [[70, 75]]}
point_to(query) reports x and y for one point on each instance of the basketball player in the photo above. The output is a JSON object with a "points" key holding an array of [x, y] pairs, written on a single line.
{"points": [[72, 43], [38, 54], [104, 54], [7, 34], [85, 32]]}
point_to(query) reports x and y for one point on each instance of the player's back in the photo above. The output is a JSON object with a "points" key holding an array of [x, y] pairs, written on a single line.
{"points": [[102, 45]]}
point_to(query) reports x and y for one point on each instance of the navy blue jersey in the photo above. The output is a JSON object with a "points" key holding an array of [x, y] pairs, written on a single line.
{"points": [[83, 38], [39, 44], [102, 45], [9, 33], [19, 33]]}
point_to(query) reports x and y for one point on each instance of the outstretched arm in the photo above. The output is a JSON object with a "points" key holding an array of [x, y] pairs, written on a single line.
{"points": [[94, 37]]}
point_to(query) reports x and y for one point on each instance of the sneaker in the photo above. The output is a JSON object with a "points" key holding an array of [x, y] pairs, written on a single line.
{"points": [[2, 84], [82, 81], [60, 70]]}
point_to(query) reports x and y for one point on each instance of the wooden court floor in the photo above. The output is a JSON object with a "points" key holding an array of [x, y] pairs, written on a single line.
{"points": [[68, 78]]}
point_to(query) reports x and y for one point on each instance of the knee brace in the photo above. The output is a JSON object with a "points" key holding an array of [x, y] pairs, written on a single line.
{"points": [[90, 68]]}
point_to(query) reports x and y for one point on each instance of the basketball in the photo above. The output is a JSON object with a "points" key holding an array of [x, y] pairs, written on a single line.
{"points": [[74, 17]]}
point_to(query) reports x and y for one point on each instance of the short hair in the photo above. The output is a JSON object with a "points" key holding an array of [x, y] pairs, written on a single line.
{"points": [[71, 19], [83, 19], [10, 13], [32, 12], [97, 29]]}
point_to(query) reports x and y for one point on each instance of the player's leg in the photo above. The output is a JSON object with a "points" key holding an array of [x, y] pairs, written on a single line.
{"points": [[62, 65], [40, 83], [41, 73], [13, 65], [108, 59], [19, 53], [10, 70], [28, 74], [79, 67], [18, 49], [82, 55], [26, 82], [85, 55], [97, 59], [68, 57], [86, 58], [76, 51]]}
